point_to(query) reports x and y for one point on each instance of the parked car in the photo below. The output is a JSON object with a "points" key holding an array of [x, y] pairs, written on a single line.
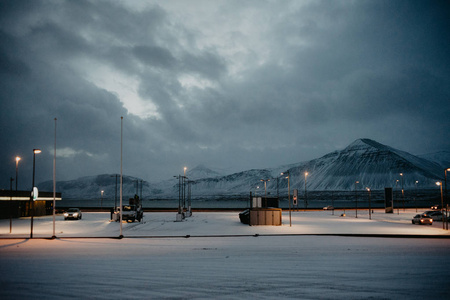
{"points": [[73, 213], [422, 220], [436, 207], [435, 215], [329, 207]]}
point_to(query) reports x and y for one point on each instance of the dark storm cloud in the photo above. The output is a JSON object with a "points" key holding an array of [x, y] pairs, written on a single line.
{"points": [[237, 85]]}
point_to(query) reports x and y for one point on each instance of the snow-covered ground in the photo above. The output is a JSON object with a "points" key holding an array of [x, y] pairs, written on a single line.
{"points": [[212, 255]]}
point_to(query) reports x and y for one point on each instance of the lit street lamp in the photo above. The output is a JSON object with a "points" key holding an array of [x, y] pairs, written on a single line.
{"points": [[306, 197], [101, 200], [415, 198], [442, 202], [17, 174], [184, 189], [370, 207], [396, 184], [17, 169], [403, 193], [356, 197], [446, 197], [35, 151], [10, 200]]}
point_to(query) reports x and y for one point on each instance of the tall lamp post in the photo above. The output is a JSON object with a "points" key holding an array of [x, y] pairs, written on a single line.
{"points": [[17, 169], [289, 196], [10, 200], [35, 151], [54, 187], [403, 192], [356, 197], [306, 195], [442, 202], [396, 184], [121, 178], [184, 189], [445, 185], [17, 174], [370, 207], [179, 192], [415, 198], [101, 200], [446, 197]]}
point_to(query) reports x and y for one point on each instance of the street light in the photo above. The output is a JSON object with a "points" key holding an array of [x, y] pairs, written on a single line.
{"points": [[17, 169], [179, 192], [403, 193], [396, 184], [289, 196], [415, 199], [446, 197], [10, 213], [35, 151], [101, 201], [306, 197], [356, 197], [442, 202], [184, 189], [370, 207], [10, 200]]}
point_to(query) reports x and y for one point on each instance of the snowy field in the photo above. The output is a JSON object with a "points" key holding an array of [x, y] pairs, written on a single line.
{"points": [[211, 255]]}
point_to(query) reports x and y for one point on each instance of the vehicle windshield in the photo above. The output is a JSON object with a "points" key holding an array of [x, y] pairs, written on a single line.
{"points": [[128, 207], [72, 210]]}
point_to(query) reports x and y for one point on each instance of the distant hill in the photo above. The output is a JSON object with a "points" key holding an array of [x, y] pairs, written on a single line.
{"points": [[370, 163], [441, 158]]}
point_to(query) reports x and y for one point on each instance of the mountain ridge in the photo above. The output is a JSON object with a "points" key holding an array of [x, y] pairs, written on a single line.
{"points": [[363, 163]]}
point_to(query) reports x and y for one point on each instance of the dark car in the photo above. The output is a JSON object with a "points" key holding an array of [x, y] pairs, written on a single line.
{"points": [[435, 215], [436, 207], [73, 213], [422, 220]]}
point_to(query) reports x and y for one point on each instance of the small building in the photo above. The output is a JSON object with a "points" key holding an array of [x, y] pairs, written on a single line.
{"points": [[17, 204]]}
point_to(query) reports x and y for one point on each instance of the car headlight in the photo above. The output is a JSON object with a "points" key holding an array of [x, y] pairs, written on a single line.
{"points": [[66, 214], [75, 214]]}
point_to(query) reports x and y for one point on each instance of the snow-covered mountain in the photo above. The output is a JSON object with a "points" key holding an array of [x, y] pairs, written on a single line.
{"points": [[442, 158], [370, 163], [373, 164], [90, 187], [202, 171]]}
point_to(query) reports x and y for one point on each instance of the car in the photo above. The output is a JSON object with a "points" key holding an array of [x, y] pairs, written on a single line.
{"points": [[329, 207], [436, 207], [422, 220], [73, 213], [435, 215]]}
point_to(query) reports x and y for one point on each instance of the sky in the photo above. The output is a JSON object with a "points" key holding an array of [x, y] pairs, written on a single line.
{"points": [[232, 85]]}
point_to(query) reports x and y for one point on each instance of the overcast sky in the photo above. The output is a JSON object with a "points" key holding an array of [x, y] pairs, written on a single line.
{"points": [[233, 85]]}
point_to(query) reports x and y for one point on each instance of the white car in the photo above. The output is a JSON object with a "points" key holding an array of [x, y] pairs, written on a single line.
{"points": [[73, 213], [422, 220]]}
